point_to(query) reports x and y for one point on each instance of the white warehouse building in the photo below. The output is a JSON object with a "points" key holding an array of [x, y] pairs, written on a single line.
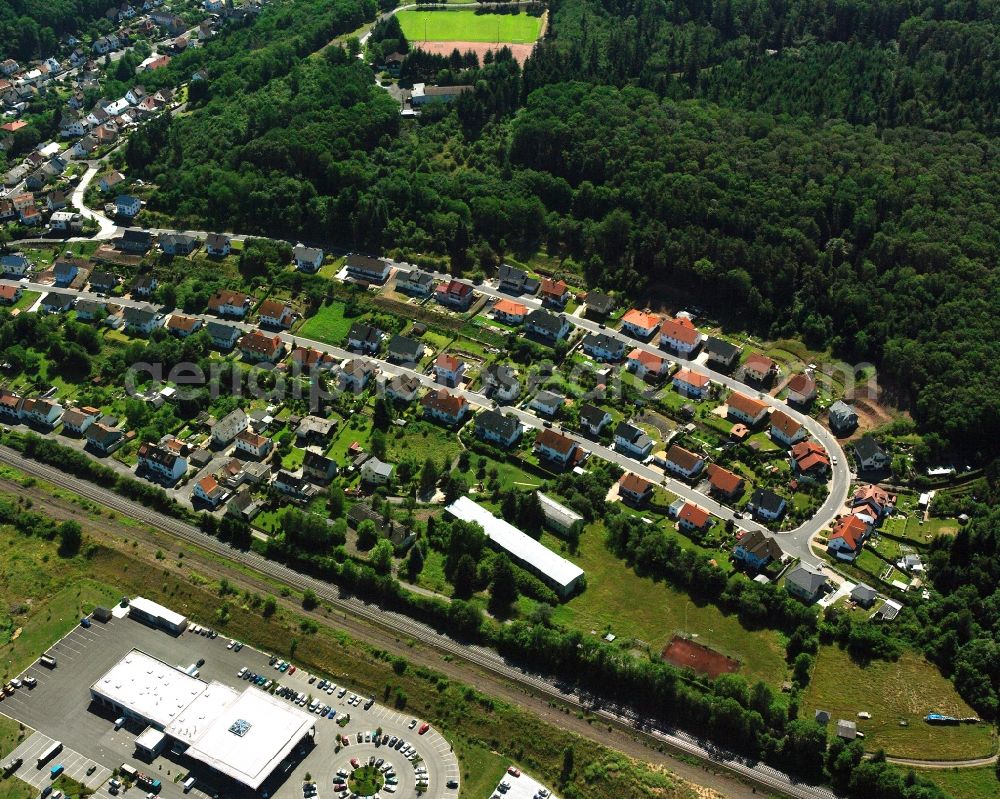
{"points": [[244, 735], [558, 573]]}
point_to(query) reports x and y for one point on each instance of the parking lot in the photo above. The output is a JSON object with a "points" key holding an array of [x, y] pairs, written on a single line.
{"points": [[60, 707]]}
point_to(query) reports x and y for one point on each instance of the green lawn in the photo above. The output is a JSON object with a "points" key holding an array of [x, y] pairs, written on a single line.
{"points": [[328, 324], [892, 692], [965, 783], [468, 26], [422, 440], [358, 428], [26, 300], [630, 606]]}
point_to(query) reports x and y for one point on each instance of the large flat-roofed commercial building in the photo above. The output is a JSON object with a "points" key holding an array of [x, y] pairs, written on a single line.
{"points": [[153, 613], [242, 735], [559, 573]]}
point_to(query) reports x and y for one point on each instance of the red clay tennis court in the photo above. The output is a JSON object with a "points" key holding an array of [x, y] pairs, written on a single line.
{"points": [[686, 653]]}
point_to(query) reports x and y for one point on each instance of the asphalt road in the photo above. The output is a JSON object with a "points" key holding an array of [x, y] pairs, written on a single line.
{"points": [[484, 658]]}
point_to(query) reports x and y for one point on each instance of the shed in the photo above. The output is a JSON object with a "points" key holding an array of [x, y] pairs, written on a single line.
{"points": [[102, 614], [847, 730]]}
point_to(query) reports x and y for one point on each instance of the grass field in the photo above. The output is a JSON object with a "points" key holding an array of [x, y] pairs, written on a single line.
{"points": [[421, 440], [328, 324], [637, 607], [906, 690], [965, 783], [468, 26]]}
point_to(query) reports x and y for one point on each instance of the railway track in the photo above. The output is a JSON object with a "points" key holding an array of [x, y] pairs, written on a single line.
{"points": [[482, 657]]}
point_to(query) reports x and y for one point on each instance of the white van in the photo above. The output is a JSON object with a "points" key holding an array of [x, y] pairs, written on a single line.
{"points": [[188, 784]]}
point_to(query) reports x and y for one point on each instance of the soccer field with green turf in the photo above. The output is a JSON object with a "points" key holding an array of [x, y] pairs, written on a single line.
{"points": [[468, 26]]}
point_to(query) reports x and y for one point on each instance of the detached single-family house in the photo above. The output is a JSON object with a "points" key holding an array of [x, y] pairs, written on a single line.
{"points": [[786, 430], [405, 350], [647, 364], [376, 472], [218, 244], [162, 462], [806, 582], [810, 460], [766, 505], [183, 326], [843, 418], [309, 358], [273, 313], [683, 462], [603, 347], [632, 441], [258, 346], [598, 306], [680, 335], [9, 294], [847, 537], [42, 412], [443, 406], [634, 490], [367, 269], [693, 518], [223, 336], [89, 310], [870, 455], [307, 259], [455, 295], [801, 390], [515, 281], [292, 485], [497, 428], [65, 272], [554, 293], [760, 368], [253, 445], [364, 338], [103, 282], [502, 383], [209, 491], [57, 302], [226, 302], [551, 327], [745, 409], [416, 283], [547, 403], [141, 320], [315, 430], [724, 483], [144, 286], [110, 181], [127, 206], [178, 243], [640, 325], [448, 370], [103, 439], [230, 426], [509, 312], [15, 265], [864, 595], [593, 420], [872, 503], [555, 447], [691, 384], [318, 468], [401, 388], [78, 420], [355, 374], [756, 550], [136, 242], [66, 221]]}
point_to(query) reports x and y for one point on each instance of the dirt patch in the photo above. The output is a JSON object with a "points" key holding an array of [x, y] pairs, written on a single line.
{"points": [[685, 653], [519, 51]]}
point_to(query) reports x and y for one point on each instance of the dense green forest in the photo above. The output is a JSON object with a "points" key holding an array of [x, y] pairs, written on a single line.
{"points": [[31, 28], [826, 171]]}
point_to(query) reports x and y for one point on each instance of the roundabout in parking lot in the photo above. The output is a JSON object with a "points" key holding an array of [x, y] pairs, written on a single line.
{"points": [[366, 781]]}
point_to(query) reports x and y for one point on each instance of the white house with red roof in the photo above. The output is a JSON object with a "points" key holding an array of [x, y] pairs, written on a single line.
{"points": [[690, 384], [847, 537], [640, 324], [680, 335]]}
